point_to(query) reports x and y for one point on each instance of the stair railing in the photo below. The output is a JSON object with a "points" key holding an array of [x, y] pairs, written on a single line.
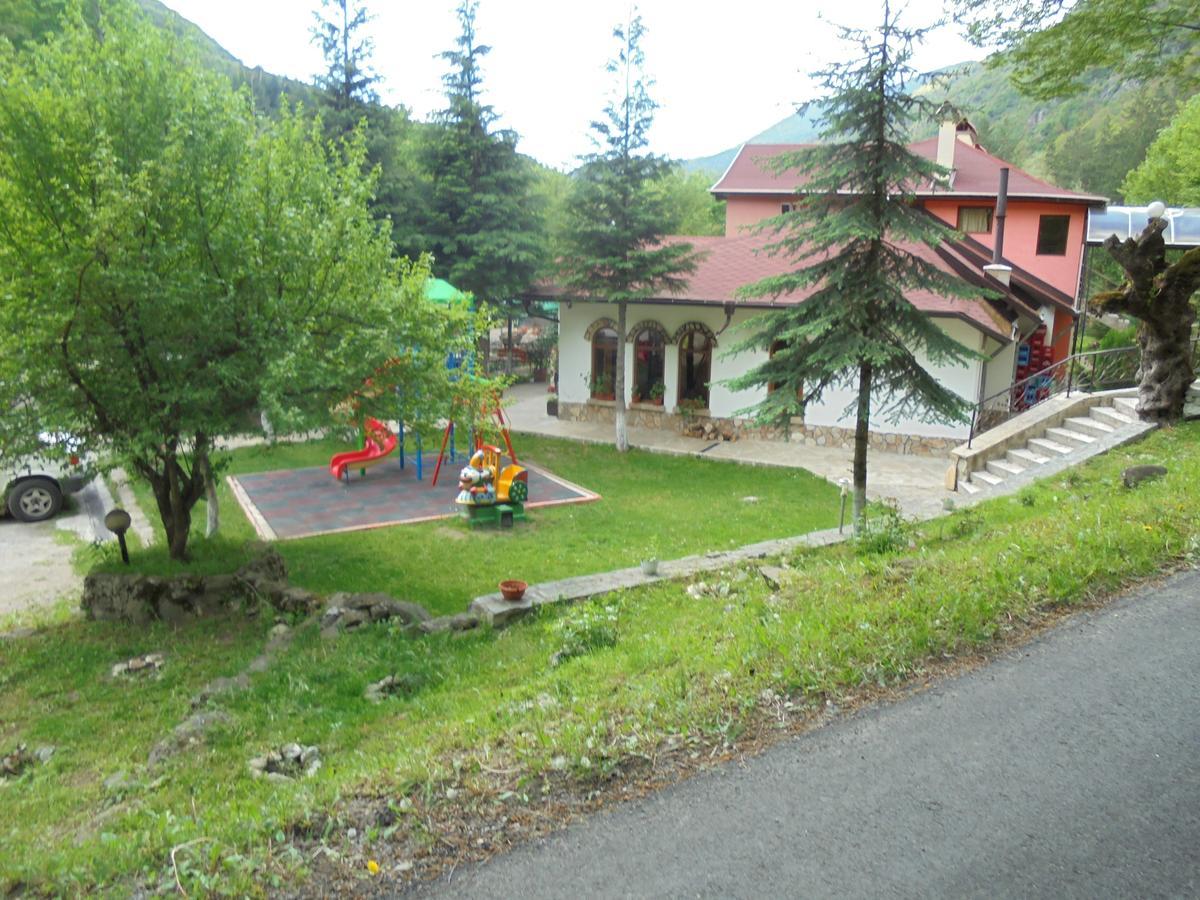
{"points": [[1096, 370]]}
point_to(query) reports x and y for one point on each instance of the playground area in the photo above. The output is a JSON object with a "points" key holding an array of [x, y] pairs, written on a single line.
{"points": [[296, 503]]}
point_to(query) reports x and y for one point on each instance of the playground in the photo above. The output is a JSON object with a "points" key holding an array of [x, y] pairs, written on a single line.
{"points": [[296, 503]]}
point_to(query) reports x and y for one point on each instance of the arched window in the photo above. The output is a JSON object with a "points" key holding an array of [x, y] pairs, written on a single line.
{"points": [[695, 367], [649, 357], [604, 363]]}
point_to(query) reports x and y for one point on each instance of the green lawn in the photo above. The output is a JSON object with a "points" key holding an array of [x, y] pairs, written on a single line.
{"points": [[671, 505], [488, 713]]}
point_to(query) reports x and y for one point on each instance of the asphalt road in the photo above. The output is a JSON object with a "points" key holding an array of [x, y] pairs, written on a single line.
{"points": [[1069, 768]]}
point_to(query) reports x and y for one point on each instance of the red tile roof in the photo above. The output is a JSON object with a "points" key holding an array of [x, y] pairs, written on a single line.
{"points": [[728, 263], [976, 174]]}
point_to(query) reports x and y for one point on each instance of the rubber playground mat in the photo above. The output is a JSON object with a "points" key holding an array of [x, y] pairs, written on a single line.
{"points": [[296, 503]]}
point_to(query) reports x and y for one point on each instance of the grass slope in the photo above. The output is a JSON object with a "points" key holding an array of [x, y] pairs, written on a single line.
{"points": [[486, 716]]}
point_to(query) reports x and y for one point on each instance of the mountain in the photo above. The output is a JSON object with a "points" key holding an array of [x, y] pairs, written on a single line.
{"points": [[23, 21], [1086, 142], [795, 129]]}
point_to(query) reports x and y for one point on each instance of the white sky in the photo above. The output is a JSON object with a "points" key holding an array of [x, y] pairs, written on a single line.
{"points": [[723, 72]]}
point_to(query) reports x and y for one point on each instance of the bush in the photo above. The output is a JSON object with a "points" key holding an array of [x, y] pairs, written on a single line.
{"points": [[1119, 337]]}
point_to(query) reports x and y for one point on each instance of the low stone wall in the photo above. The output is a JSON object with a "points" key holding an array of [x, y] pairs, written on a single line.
{"points": [[710, 428], [139, 599]]}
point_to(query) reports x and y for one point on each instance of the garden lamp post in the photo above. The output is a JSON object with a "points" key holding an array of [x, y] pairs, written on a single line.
{"points": [[118, 521]]}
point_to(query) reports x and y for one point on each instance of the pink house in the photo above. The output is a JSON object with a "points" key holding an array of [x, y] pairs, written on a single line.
{"points": [[1021, 321], [1043, 232]]}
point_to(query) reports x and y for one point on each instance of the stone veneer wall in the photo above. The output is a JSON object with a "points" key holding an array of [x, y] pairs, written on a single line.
{"points": [[643, 416]]}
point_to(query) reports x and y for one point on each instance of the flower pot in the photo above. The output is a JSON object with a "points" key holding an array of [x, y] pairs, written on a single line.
{"points": [[513, 589], [657, 401], [649, 566], [552, 406]]}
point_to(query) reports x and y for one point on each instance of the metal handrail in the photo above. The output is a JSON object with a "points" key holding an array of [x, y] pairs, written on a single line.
{"points": [[1051, 379]]}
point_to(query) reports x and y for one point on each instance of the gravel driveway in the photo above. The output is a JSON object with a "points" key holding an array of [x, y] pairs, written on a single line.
{"points": [[35, 559]]}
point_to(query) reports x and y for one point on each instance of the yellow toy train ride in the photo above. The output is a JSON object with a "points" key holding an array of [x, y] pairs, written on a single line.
{"points": [[489, 492]]}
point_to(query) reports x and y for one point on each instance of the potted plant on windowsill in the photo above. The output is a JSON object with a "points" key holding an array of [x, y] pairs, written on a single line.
{"points": [[602, 388], [656, 393]]}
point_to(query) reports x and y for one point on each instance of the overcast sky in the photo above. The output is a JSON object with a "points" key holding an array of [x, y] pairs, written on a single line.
{"points": [[723, 71]]}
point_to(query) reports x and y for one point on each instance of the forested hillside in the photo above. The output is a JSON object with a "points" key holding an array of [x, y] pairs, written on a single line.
{"points": [[1088, 141]]}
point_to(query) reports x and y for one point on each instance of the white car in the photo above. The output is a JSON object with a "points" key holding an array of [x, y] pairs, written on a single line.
{"points": [[34, 486]]}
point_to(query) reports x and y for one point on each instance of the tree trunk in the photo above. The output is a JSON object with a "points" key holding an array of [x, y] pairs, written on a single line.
{"points": [[175, 493], [508, 359], [1159, 297], [619, 381], [861, 435], [213, 524]]}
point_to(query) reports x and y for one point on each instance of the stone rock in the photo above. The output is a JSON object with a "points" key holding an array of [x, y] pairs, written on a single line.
{"points": [[13, 764], [348, 611], [119, 781], [1135, 475], [405, 684], [772, 575], [436, 626], [120, 597], [268, 567], [296, 600], [42, 754], [186, 734], [147, 664], [286, 763]]}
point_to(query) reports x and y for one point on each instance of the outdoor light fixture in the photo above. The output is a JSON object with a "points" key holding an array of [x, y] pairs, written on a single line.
{"points": [[118, 521], [1156, 210]]}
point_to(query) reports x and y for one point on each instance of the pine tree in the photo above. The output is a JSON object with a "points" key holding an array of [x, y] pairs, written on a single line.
{"points": [[480, 221], [847, 234], [618, 217], [349, 99]]}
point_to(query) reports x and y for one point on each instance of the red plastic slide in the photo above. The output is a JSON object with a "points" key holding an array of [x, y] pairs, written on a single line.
{"points": [[378, 443]]}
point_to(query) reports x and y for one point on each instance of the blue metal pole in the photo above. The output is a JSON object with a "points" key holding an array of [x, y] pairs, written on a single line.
{"points": [[419, 455]]}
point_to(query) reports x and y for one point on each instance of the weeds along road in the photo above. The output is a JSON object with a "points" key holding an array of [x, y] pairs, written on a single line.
{"points": [[1067, 768]]}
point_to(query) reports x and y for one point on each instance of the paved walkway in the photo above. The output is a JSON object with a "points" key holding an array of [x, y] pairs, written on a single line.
{"points": [[1068, 768], [916, 482]]}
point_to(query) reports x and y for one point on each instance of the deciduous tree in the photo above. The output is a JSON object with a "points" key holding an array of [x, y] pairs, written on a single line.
{"points": [[170, 264], [1053, 44]]}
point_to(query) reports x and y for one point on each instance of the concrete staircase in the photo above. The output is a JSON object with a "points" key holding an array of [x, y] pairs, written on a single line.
{"points": [[1073, 436]]}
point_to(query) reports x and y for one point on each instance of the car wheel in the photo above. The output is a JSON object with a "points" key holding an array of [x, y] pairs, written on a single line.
{"points": [[34, 500]]}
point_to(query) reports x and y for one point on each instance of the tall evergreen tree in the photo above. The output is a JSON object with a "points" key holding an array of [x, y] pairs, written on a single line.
{"points": [[348, 99], [848, 233], [480, 221], [618, 216]]}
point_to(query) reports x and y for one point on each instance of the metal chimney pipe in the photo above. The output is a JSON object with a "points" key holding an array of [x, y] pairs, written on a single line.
{"points": [[1001, 212]]}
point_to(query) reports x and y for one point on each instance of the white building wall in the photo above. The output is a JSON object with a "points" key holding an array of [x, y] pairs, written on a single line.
{"points": [[1000, 370], [962, 379], [575, 366]]}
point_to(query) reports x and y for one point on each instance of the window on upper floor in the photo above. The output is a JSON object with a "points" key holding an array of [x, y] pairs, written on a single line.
{"points": [[1052, 235], [787, 208], [975, 219]]}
